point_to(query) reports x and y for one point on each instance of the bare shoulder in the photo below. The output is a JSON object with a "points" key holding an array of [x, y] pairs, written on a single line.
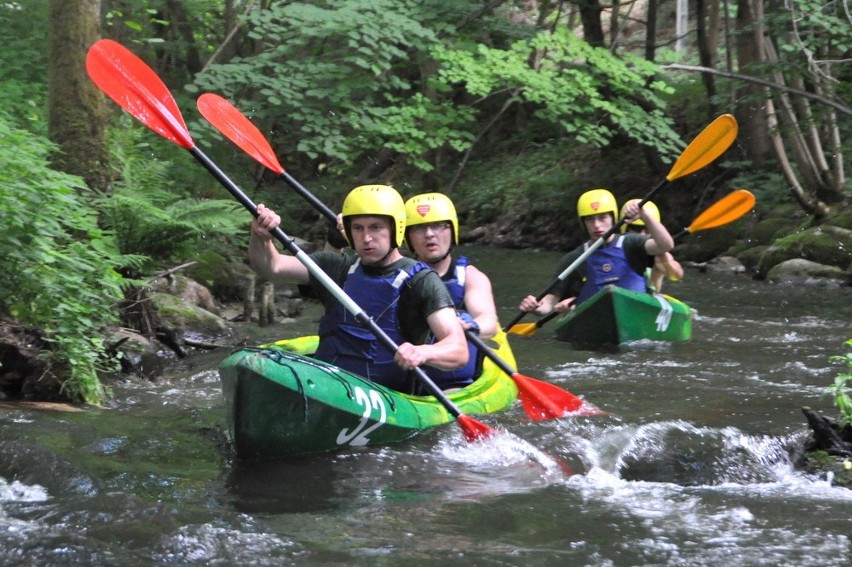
{"points": [[476, 277]]}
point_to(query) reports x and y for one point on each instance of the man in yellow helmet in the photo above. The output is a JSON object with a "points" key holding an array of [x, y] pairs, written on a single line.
{"points": [[621, 261], [404, 297], [665, 265], [432, 229]]}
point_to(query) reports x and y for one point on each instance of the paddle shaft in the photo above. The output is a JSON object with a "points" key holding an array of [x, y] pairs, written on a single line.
{"points": [[495, 358], [309, 197], [323, 278], [588, 252]]}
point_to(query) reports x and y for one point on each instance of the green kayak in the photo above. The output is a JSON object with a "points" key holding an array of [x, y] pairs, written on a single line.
{"points": [[281, 402], [615, 315]]}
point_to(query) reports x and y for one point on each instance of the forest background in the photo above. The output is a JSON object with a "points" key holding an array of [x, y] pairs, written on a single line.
{"points": [[511, 107]]}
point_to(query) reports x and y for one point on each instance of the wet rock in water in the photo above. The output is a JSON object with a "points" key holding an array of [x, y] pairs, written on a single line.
{"points": [[35, 465], [827, 450]]}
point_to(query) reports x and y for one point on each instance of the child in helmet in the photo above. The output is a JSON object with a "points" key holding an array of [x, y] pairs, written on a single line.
{"points": [[621, 261], [431, 230], [404, 297], [665, 266]]}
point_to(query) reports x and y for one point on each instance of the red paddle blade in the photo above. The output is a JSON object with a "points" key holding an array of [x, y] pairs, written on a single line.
{"points": [[236, 127], [474, 430], [135, 87], [542, 400]]}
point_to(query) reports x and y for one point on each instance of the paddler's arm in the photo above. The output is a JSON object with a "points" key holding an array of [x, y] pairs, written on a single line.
{"points": [[659, 241], [479, 302], [264, 257], [448, 352], [530, 304]]}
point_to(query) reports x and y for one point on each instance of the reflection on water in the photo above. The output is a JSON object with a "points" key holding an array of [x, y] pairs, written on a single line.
{"points": [[691, 467]]}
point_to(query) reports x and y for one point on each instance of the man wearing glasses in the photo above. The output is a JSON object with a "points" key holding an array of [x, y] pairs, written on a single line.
{"points": [[432, 229]]}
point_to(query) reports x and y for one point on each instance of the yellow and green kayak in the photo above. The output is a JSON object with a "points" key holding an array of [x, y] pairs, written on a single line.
{"points": [[280, 402], [615, 315]]}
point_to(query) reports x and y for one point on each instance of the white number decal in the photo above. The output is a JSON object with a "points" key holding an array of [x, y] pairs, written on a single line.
{"points": [[358, 436], [665, 315]]}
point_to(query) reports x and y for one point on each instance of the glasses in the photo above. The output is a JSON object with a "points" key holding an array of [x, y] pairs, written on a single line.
{"points": [[635, 228], [434, 226]]}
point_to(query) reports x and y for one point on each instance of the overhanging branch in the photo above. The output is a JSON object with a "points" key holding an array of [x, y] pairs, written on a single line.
{"points": [[696, 68]]}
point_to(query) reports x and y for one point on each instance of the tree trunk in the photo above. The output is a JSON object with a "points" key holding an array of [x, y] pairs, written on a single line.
{"points": [[651, 33], [754, 132], [77, 111], [590, 15], [705, 53]]}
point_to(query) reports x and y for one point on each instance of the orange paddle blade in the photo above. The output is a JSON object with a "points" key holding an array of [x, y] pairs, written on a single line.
{"points": [[725, 210], [706, 147], [523, 329], [240, 130]]}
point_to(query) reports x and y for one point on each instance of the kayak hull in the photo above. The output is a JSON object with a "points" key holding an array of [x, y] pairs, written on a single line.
{"points": [[280, 402], [615, 315]]}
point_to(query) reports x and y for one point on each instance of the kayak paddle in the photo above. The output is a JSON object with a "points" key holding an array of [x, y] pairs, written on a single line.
{"points": [[134, 86], [541, 400], [241, 131], [726, 210], [706, 147]]}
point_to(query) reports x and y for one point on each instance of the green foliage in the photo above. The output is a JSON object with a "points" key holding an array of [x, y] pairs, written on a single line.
{"points": [[566, 87], [150, 216], [59, 268], [335, 79], [843, 386], [534, 181], [769, 187], [23, 63], [338, 78]]}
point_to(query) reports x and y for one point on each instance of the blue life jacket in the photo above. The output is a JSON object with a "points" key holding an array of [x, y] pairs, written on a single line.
{"points": [[344, 342], [609, 266], [454, 280]]}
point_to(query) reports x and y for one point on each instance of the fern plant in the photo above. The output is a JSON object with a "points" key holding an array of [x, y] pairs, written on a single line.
{"points": [[151, 216]]}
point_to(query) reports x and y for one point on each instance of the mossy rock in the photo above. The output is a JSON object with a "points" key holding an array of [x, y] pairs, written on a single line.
{"points": [[175, 313], [706, 245], [829, 245], [821, 463], [843, 219], [751, 256], [770, 229]]}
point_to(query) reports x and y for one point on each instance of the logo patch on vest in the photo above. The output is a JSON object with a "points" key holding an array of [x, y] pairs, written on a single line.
{"points": [[423, 210], [607, 268]]}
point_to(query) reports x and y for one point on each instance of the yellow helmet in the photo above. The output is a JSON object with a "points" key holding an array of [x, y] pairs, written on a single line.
{"points": [[431, 207], [376, 200], [595, 202], [649, 207]]}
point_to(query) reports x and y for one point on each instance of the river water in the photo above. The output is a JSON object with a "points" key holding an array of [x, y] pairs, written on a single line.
{"points": [[693, 465]]}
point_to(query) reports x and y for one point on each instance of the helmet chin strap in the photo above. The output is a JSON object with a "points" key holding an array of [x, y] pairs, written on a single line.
{"points": [[381, 261], [449, 251], [439, 260]]}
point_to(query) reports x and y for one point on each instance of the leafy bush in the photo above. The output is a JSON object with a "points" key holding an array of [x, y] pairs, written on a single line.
{"points": [[59, 268], [842, 387]]}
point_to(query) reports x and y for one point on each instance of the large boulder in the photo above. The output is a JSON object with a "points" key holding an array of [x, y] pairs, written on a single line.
{"points": [[805, 272], [827, 245]]}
